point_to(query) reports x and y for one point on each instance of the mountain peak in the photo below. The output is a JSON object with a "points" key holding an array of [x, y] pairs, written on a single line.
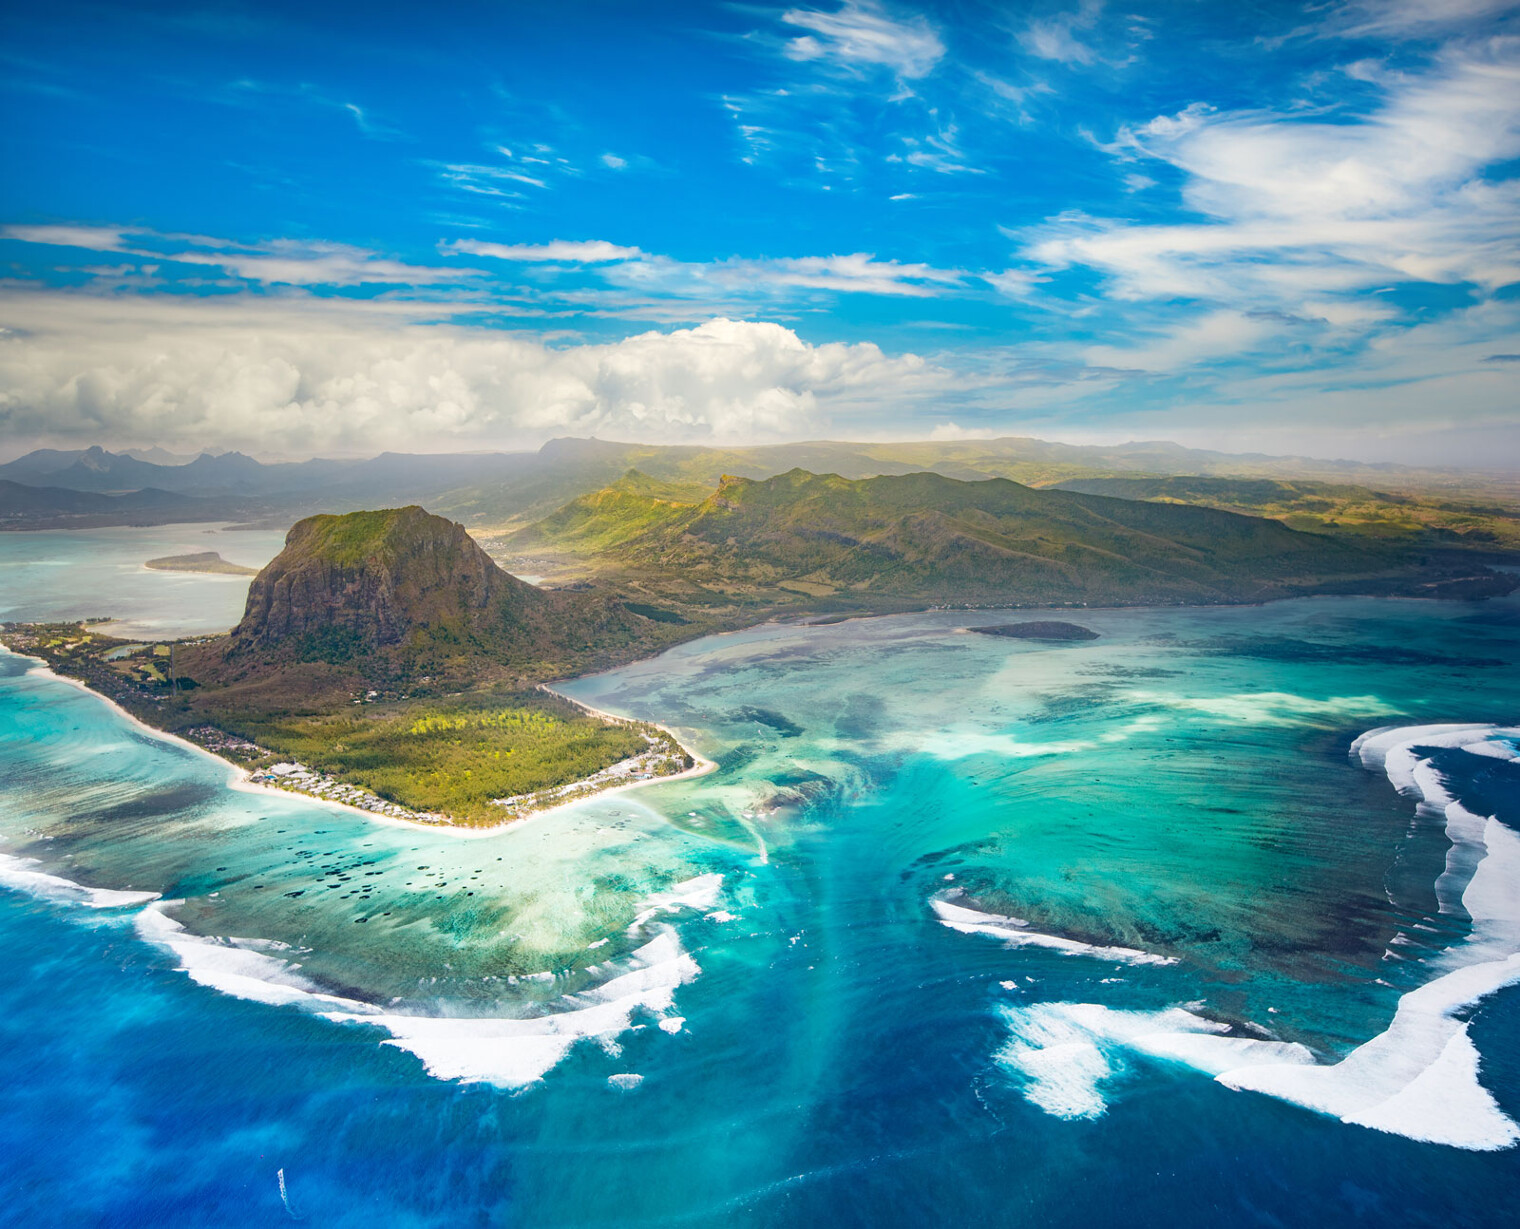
{"points": [[380, 579]]}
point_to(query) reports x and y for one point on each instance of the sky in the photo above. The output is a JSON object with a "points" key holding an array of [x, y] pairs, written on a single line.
{"points": [[316, 228]]}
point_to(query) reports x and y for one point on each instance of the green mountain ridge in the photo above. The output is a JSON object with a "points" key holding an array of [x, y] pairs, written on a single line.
{"points": [[923, 538], [1344, 509]]}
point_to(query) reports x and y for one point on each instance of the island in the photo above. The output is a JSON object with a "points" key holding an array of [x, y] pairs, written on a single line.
{"points": [[1041, 629], [208, 561]]}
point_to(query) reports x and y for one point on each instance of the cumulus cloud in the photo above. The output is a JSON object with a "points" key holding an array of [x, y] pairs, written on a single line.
{"points": [[865, 34], [320, 376]]}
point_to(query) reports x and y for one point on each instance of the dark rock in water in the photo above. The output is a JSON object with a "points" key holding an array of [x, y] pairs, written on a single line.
{"points": [[764, 716], [1046, 630]]}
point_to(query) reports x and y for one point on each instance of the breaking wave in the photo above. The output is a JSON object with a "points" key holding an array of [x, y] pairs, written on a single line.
{"points": [[510, 1052], [1419, 1078]]}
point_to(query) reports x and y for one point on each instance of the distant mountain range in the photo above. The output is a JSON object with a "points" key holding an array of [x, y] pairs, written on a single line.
{"points": [[232, 474], [495, 494], [55, 507]]}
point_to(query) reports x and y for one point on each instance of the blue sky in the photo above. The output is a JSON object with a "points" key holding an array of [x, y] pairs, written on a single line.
{"points": [[321, 228]]}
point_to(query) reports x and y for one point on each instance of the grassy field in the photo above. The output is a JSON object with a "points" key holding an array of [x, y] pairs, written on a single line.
{"points": [[452, 758]]}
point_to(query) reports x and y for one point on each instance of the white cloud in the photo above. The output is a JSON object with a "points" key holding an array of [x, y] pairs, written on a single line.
{"points": [[1310, 209], [1417, 18], [1216, 335], [565, 251], [320, 375], [719, 286], [863, 33], [613, 162], [300, 263], [485, 180], [856, 273], [93, 238], [1014, 283], [293, 262], [1054, 38], [937, 151], [247, 89], [949, 431]]}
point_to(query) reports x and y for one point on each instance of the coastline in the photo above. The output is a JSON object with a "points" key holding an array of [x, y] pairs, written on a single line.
{"points": [[240, 778]]}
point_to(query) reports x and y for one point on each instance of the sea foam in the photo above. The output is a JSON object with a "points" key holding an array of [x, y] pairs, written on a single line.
{"points": [[1064, 1052], [510, 1052], [1015, 932], [17, 873], [1418, 1078]]}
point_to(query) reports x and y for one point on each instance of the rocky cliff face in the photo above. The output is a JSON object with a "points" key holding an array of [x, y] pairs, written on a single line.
{"points": [[380, 578]]}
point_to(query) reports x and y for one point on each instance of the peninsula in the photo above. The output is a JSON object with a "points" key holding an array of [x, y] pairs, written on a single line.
{"points": [[384, 660]]}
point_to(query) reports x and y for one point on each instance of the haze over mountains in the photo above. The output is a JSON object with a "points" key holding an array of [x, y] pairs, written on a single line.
{"points": [[500, 492]]}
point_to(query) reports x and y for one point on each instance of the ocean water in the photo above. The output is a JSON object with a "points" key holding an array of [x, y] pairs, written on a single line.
{"points": [[99, 573], [1212, 920]]}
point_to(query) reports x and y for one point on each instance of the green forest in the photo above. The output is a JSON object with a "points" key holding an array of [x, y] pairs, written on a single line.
{"points": [[453, 759]]}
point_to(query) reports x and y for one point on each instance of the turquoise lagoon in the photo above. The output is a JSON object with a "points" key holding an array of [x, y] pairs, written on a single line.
{"points": [[960, 928]]}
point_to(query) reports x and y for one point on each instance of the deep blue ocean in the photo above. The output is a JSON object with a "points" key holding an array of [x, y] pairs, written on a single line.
{"points": [[1212, 920]]}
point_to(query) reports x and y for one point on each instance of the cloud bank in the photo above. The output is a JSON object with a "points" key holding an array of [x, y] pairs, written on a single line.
{"points": [[330, 377]]}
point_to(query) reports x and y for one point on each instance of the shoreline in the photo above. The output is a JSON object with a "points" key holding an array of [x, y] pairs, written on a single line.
{"points": [[240, 778]]}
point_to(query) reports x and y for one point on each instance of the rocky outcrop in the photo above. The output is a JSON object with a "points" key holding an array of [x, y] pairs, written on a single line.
{"points": [[379, 577]]}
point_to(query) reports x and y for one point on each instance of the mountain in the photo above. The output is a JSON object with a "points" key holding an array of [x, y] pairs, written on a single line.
{"points": [[383, 579], [39, 464], [235, 474], [923, 538], [386, 648], [1415, 518], [51, 507], [158, 456], [94, 469], [399, 595], [497, 494]]}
